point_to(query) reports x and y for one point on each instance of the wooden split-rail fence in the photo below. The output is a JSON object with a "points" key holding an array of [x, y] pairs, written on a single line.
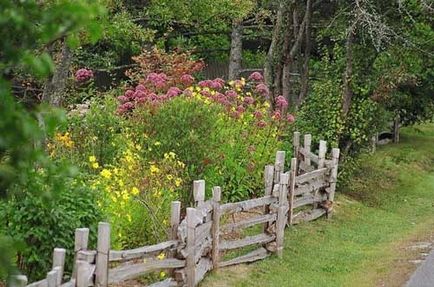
{"points": [[197, 242]]}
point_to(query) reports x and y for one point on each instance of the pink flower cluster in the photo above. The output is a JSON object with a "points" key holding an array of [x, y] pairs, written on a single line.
{"points": [[256, 76], [82, 75], [156, 90], [216, 84], [141, 95], [158, 80]]}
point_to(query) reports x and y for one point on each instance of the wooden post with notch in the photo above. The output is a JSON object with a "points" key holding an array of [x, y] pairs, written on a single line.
{"points": [[268, 184], [175, 218], [292, 177], [307, 148], [102, 255], [279, 165], [59, 262], [199, 192], [333, 180], [216, 198], [52, 278], [191, 241], [281, 213], [80, 243], [296, 144]]}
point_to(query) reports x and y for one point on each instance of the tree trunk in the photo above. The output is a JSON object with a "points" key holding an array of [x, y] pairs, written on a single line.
{"points": [[305, 74], [284, 48], [56, 84], [348, 74], [236, 50]]}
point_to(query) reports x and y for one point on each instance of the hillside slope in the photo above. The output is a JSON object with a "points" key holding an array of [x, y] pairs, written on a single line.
{"points": [[388, 207]]}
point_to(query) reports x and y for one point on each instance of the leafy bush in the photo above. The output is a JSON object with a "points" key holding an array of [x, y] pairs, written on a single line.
{"points": [[43, 223]]}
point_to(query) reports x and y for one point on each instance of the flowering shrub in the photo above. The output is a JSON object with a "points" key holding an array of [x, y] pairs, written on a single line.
{"points": [[218, 128], [176, 67], [136, 195], [83, 75]]}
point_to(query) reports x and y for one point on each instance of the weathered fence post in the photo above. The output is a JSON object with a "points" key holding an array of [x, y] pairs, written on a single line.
{"points": [[59, 262], [333, 177], [199, 192], [281, 213], [102, 255], [175, 218], [322, 153], [80, 243], [191, 242], [268, 184], [18, 281], [83, 274], [52, 277], [279, 165], [216, 197], [292, 176], [296, 144], [307, 147]]}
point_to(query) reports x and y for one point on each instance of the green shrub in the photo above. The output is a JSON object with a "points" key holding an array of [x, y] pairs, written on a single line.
{"points": [[43, 223]]}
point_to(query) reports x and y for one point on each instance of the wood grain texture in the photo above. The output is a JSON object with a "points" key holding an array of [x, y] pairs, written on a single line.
{"points": [[246, 241], [311, 175], [102, 256], [215, 230], [255, 255], [247, 204], [141, 252], [248, 222], [130, 271]]}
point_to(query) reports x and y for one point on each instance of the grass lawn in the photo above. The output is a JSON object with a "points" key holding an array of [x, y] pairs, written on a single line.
{"points": [[388, 206]]}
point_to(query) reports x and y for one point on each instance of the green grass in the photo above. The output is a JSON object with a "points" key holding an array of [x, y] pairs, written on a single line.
{"points": [[389, 204]]}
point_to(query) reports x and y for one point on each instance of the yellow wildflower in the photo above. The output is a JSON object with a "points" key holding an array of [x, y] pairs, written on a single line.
{"points": [[95, 165], [154, 169], [161, 256], [162, 274], [106, 173], [181, 164], [135, 191], [169, 177], [172, 154], [92, 158], [178, 182], [157, 143]]}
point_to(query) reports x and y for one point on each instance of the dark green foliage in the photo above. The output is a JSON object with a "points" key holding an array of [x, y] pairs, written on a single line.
{"points": [[43, 223]]}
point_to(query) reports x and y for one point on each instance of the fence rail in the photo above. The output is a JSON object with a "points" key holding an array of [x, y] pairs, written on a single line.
{"points": [[197, 243]]}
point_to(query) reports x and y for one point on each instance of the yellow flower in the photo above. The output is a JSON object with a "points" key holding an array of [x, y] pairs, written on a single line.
{"points": [[231, 83], [161, 256], [138, 147], [162, 274], [92, 158], [135, 191], [95, 165], [198, 89], [181, 164], [157, 143], [172, 154], [154, 169], [106, 173], [169, 177], [178, 182]]}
